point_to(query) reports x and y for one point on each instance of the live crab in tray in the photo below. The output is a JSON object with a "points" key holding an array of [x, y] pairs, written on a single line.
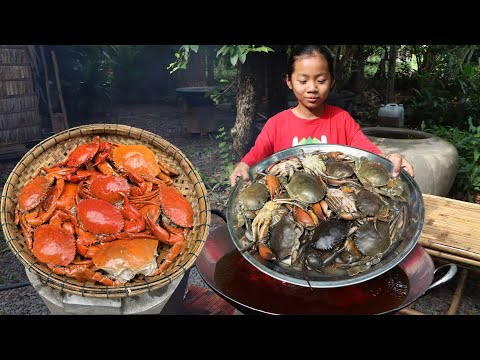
{"points": [[325, 215]]}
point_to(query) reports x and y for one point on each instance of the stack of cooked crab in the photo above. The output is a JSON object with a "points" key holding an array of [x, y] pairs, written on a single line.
{"points": [[104, 213]]}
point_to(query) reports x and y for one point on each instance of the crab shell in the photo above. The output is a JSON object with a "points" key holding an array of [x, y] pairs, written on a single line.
{"points": [[305, 188], [83, 153], [329, 234], [372, 242], [176, 207], [338, 169], [53, 245], [253, 197], [371, 171], [99, 216], [108, 188], [368, 203], [123, 259], [285, 238], [34, 192], [136, 159]]}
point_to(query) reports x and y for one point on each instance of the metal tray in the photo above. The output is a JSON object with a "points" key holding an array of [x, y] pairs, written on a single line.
{"points": [[414, 217]]}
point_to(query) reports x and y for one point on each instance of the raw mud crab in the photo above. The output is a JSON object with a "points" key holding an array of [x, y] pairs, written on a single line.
{"points": [[269, 215], [341, 203], [250, 200], [374, 177], [285, 239], [372, 205], [305, 188], [336, 213], [286, 167]]}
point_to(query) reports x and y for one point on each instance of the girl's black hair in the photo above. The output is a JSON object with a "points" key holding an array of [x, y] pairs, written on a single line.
{"points": [[309, 50]]}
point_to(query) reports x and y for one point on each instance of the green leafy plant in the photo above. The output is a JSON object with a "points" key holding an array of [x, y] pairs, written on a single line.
{"points": [[218, 185], [235, 54], [467, 144], [181, 57], [239, 52]]}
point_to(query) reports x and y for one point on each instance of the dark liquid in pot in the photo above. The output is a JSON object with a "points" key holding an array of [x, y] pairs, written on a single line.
{"points": [[241, 281]]}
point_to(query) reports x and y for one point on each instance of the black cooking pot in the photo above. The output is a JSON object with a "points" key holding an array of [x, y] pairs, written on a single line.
{"points": [[251, 291]]}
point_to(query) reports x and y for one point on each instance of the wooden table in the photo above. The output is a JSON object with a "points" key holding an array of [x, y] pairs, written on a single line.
{"points": [[452, 230], [451, 233]]}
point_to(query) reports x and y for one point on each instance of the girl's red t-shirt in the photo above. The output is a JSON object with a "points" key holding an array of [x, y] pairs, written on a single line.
{"points": [[285, 129]]}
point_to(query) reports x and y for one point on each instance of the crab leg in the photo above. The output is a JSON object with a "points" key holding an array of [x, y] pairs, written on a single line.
{"points": [[94, 275], [178, 248], [104, 150], [70, 270], [134, 219], [166, 168], [163, 235]]}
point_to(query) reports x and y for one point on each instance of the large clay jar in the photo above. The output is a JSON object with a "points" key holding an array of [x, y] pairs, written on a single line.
{"points": [[434, 159]]}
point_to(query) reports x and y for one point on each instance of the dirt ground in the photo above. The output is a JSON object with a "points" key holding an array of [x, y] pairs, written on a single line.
{"points": [[202, 150]]}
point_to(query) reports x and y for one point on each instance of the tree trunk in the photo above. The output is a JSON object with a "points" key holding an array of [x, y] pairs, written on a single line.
{"points": [[380, 73], [246, 105], [392, 64], [277, 88], [356, 82]]}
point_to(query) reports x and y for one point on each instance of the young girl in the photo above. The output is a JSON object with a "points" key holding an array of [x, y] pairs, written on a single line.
{"points": [[310, 77]]}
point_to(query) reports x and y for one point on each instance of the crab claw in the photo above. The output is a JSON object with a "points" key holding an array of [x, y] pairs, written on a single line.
{"points": [[273, 185], [265, 252]]}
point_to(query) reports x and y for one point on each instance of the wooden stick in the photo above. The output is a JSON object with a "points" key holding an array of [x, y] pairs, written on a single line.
{"points": [[458, 293], [410, 311], [450, 249], [59, 87], [452, 257], [47, 84], [473, 270]]}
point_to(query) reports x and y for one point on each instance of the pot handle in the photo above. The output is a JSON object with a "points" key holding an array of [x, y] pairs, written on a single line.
{"points": [[450, 274], [219, 213]]}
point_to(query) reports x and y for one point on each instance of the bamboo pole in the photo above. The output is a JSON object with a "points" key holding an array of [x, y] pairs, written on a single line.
{"points": [[59, 87], [410, 311], [458, 293], [455, 258]]}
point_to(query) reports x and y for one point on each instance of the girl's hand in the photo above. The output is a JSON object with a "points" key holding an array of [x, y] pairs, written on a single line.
{"points": [[399, 162], [240, 170]]}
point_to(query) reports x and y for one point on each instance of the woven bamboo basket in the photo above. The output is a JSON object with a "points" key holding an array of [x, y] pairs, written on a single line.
{"points": [[57, 148]]}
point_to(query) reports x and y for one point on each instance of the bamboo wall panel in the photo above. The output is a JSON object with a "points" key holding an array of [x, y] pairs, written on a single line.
{"points": [[18, 103], [20, 119]]}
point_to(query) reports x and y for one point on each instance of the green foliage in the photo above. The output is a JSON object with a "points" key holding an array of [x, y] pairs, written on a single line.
{"points": [[86, 78], [181, 58], [235, 54], [127, 72], [467, 144], [218, 186], [446, 88], [239, 52]]}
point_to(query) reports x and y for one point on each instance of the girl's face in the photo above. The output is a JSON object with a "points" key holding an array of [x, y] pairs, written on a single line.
{"points": [[311, 83]]}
